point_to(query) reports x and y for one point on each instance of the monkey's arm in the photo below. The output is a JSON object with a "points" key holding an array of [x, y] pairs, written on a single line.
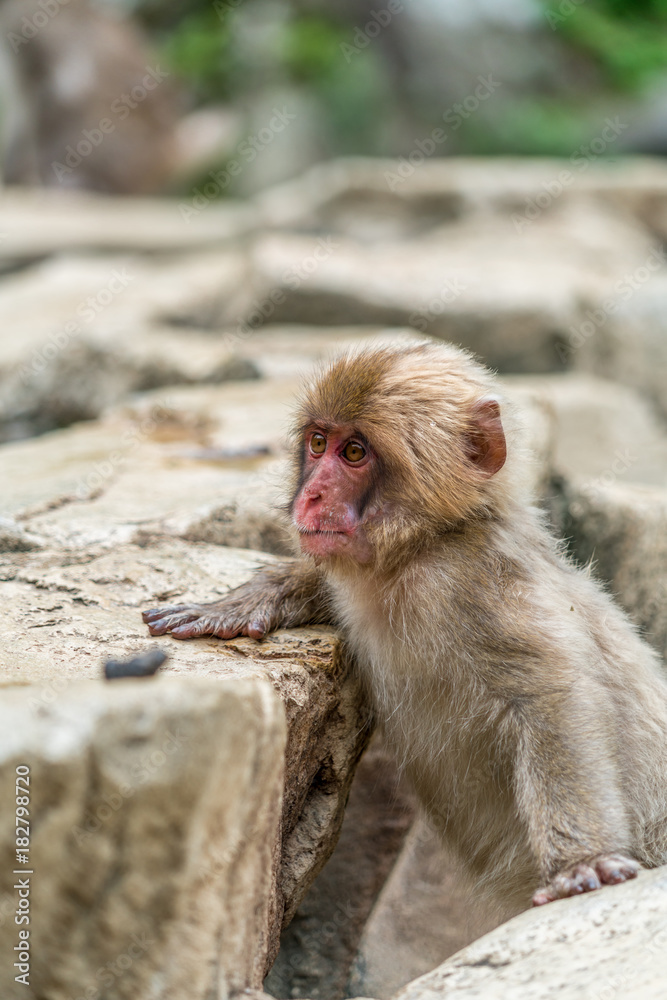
{"points": [[568, 793], [281, 596]]}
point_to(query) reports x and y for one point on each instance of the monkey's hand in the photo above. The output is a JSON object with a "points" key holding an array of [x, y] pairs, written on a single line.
{"points": [[226, 619], [607, 869], [284, 595]]}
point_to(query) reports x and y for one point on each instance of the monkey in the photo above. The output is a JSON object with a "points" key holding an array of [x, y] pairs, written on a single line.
{"points": [[521, 701]]}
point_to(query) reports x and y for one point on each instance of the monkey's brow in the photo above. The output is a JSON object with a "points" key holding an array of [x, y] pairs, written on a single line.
{"points": [[326, 426]]}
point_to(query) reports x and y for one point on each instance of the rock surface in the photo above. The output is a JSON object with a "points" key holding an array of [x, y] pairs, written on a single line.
{"points": [[38, 222], [627, 342], [154, 847], [515, 308], [375, 199], [318, 948], [424, 914], [623, 529], [604, 944], [85, 608]]}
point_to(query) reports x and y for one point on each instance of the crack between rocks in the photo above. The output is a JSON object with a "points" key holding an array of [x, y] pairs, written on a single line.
{"points": [[62, 501], [484, 963]]}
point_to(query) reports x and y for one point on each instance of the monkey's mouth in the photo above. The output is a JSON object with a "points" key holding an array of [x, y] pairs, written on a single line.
{"points": [[324, 531], [325, 543]]}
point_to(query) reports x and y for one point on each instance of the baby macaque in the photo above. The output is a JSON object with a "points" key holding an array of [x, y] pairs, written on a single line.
{"points": [[528, 713]]}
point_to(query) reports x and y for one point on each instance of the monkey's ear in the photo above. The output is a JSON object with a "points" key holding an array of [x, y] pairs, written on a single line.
{"points": [[485, 442]]}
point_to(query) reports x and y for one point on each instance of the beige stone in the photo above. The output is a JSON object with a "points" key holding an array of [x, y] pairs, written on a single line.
{"points": [[599, 430], [374, 199], [623, 529], [66, 614], [208, 465], [318, 947], [86, 332], [424, 914], [38, 222], [515, 308], [154, 817], [604, 945], [629, 344]]}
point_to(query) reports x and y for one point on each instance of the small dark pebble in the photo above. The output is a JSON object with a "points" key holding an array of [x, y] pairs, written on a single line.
{"points": [[144, 665]]}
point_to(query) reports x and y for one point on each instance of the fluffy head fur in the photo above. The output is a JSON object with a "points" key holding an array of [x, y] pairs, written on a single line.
{"points": [[414, 406]]}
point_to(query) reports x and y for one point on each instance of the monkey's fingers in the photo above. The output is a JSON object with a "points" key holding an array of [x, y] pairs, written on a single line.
{"points": [[167, 623], [258, 628], [222, 628], [230, 628], [191, 628], [156, 613]]}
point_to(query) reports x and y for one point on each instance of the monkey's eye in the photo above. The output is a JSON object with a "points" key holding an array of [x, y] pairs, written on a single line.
{"points": [[318, 444], [353, 451]]}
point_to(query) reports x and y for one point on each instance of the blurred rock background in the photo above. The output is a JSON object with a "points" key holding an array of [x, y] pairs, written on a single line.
{"points": [[357, 76]]}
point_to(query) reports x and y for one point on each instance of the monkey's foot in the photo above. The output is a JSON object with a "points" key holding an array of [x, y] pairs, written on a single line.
{"points": [[187, 621], [607, 869]]}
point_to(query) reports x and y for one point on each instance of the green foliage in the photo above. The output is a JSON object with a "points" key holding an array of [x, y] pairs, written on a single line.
{"points": [[230, 50], [354, 95], [528, 126], [627, 38], [199, 50], [311, 48]]}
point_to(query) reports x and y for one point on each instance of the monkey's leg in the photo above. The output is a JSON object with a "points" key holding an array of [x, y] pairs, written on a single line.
{"points": [[281, 596], [568, 794]]}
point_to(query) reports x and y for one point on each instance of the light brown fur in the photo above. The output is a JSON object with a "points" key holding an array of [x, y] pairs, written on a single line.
{"points": [[528, 713]]}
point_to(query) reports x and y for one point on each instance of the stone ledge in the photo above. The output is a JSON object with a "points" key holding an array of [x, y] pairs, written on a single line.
{"points": [[154, 836], [71, 612], [605, 944]]}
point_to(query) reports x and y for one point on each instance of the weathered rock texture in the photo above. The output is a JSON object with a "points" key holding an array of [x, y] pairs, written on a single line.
{"points": [[155, 829], [84, 608], [424, 914], [605, 944], [622, 528], [318, 948]]}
